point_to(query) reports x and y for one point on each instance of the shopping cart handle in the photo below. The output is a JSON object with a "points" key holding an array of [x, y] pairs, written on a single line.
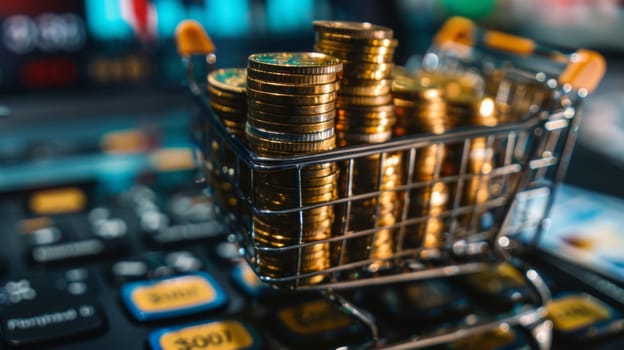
{"points": [[192, 39], [584, 68], [456, 30], [462, 31]]}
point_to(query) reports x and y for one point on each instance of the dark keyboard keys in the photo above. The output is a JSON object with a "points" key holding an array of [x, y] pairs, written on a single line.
{"points": [[51, 320]]}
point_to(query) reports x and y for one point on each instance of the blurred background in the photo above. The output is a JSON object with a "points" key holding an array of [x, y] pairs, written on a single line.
{"points": [[92, 91]]}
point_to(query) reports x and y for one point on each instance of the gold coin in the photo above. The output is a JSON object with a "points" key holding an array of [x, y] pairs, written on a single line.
{"points": [[226, 95], [354, 50], [267, 234], [307, 215], [364, 129], [237, 104], [274, 200], [229, 79], [354, 56], [305, 63], [346, 39], [291, 89], [366, 122], [360, 30], [353, 139], [351, 66], [380, 87], [297, 128], [238, 119], [291, 79], [291, 99], [286, 110], [363, 100], [219, 108], [293, 118], [367, 74], [280, 148], [289, 137], [371, 112], [309, 173]]}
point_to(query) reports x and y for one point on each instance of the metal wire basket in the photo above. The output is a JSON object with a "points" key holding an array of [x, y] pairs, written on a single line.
{"points": [[527, 157]]}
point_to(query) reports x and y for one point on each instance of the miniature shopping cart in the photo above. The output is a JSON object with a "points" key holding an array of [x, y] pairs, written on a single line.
{"points": [[544, 87]]}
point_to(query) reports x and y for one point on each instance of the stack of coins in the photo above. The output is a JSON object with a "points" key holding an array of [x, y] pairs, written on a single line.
{"points": [[365, 115], [365, 100], [519, 96], [227, 89], [291, 99], [474, 110], [420, 107]]}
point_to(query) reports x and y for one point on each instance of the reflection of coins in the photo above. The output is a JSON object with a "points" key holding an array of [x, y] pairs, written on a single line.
{"points": [[291, 98]]}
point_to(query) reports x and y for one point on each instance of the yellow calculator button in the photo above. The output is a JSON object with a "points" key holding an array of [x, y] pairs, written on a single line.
{"points": [[172, 297], [213, 335], [576, 311], [314, 317]]}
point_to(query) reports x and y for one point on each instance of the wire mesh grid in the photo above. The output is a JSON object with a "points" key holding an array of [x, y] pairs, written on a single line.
{"points": [[473, 201]]}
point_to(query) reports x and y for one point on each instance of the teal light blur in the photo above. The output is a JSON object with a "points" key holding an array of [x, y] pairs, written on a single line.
{"points": [[227, 18], [104, 20], [170, 13], [288, 15], [475, 9]]}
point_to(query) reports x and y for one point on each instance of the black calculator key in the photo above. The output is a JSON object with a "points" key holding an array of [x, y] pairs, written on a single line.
{"points": [[50, 320]]}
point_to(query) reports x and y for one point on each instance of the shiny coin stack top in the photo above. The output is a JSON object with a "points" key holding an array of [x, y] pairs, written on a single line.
{"points": [[291, 99], [365, 115], [227, 89], [420, 108]]}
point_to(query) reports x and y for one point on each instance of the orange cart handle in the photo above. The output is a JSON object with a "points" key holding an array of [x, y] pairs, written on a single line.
{"points": [[584, 68], [192, 39]]}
